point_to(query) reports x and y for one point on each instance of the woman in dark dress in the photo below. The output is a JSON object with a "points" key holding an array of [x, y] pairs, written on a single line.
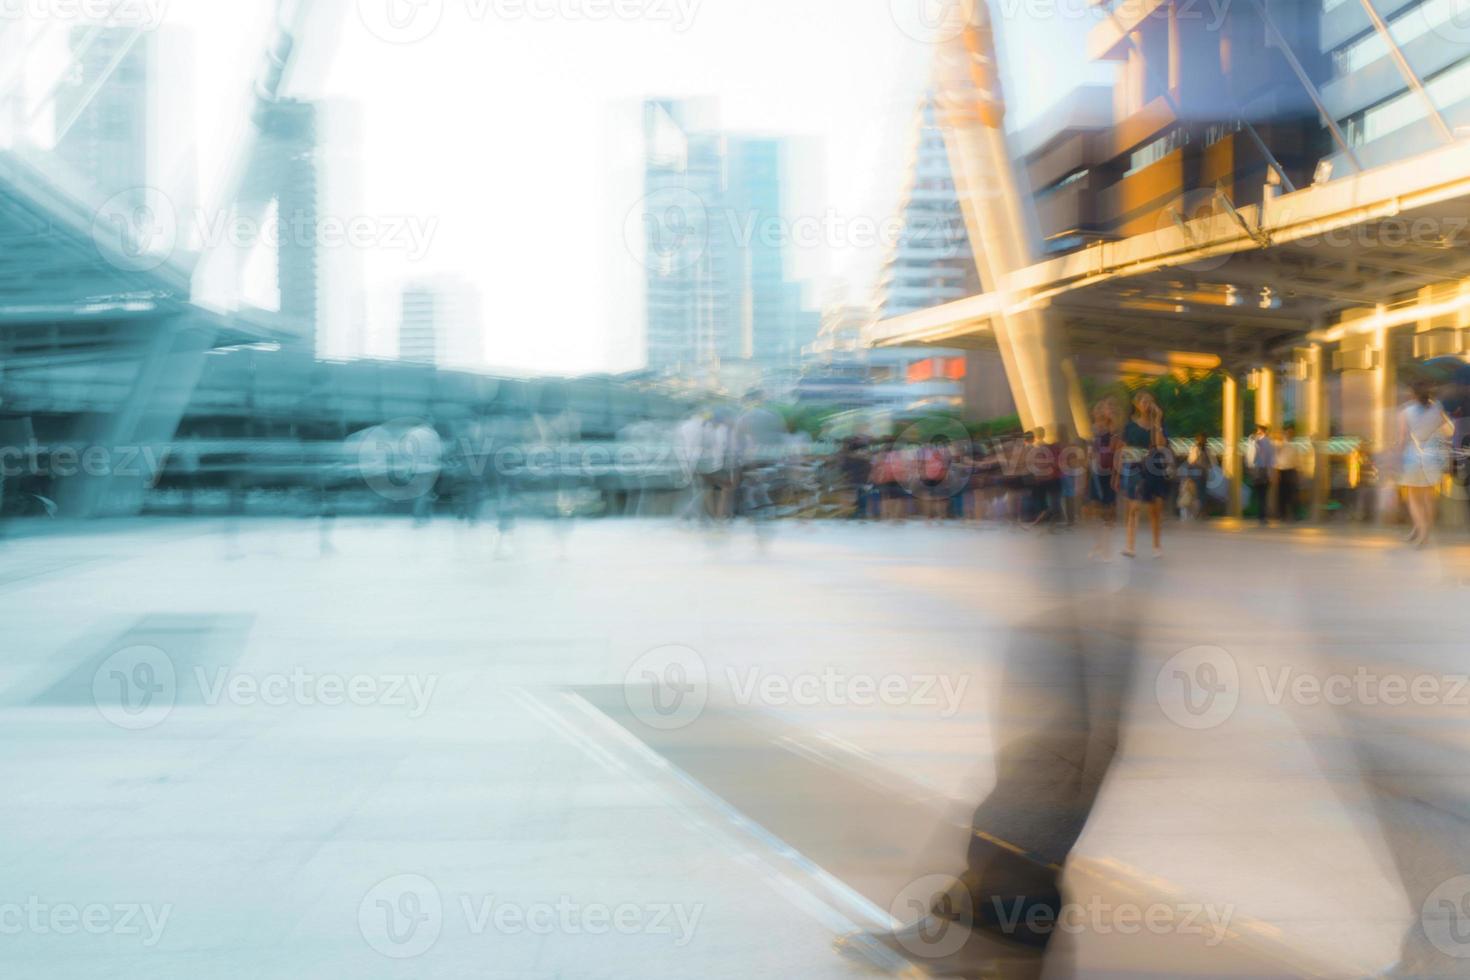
{"points": [[1144, 477]]}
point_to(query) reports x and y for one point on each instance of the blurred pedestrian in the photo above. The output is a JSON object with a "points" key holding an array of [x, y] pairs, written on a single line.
{"points": [[1144, 477], [1423, 430], [1288, 475], [1262, 453], [1201, 463], [1102, 494], [933, 462]]}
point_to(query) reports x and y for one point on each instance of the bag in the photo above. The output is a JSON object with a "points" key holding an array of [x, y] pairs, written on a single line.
{"points": [[1162, 462]]}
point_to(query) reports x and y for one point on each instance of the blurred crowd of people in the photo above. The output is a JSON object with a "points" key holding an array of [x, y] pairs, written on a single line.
{"points": [[1132, 471]]}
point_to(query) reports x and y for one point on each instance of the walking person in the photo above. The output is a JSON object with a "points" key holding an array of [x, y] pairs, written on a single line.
{"points": [[1288, 475], [1144, 476], [1423, 430], [1262, 465], [1201, 464], [1045, 469], [1102, 455]]}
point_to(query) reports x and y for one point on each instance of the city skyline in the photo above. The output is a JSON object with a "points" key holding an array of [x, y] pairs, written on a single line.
{"points": [[829, 70]]}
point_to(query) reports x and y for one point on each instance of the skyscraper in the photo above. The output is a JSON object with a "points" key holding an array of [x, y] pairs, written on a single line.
{"points": [[929, 264], [124, 115], [714, 229], [441, 324], [307, 169], [772, 324], [687, 292]]}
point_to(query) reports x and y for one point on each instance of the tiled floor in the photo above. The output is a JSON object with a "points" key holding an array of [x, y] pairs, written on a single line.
{"points": [[390, 761]]}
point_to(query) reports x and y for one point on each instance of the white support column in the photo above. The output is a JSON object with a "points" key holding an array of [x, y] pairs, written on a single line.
{"points": [[1385, 387], [1268, 403], [1231, 426], [1313, 422], [971, 108]]}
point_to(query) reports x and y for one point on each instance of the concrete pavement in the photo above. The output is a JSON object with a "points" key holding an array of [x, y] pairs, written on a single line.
{"points": [[411, 758]]}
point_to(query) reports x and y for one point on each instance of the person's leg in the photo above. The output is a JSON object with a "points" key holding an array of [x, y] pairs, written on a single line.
{"points": [[1064, 685], [1421, 511], [1156, 522], [1130, 528], [1411, 506]]}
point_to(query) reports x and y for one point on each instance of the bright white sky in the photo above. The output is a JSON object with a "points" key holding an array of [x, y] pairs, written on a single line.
{"points": [[499, 132]]}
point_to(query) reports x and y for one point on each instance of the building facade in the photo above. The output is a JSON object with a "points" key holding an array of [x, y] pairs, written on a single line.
{"points": [[1282, 191], [441, 324], [123, 118], [717, 286]]}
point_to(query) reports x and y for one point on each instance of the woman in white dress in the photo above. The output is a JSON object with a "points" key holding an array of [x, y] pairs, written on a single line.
{"points": [[1423, 429]]}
